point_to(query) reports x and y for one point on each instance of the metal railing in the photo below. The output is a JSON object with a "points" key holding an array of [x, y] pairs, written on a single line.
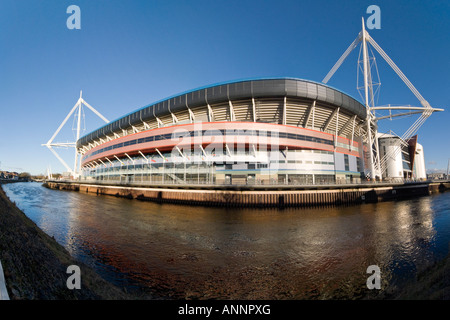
{"points": [[239, 183]]}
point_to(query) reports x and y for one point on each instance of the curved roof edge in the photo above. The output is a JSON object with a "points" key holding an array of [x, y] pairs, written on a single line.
{"points": [[232, 82], [330, 97]]}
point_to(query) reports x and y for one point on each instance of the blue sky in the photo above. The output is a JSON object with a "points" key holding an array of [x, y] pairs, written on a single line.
{"points": [[130, 53]]}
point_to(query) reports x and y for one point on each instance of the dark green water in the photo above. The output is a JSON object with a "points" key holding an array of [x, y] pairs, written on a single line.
{"points": [[197, 252]]}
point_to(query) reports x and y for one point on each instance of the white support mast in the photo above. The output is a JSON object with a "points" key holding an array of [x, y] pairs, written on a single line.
{"points": [[375, 164], [50, 144], [78, 133], [372, 140]]}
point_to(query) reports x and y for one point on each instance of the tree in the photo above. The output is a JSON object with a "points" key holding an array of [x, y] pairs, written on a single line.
{"points": [[24, 175]]}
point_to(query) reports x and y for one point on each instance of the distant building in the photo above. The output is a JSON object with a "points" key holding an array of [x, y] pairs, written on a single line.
{"points": [[66, 175], [404, 159], [436, 176], [9, 175]]}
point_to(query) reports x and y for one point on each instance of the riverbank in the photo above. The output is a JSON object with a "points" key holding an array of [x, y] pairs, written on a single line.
{"points": [[35, 264], [431, 284]]}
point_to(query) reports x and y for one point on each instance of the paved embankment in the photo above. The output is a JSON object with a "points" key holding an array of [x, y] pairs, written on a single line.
{"points": [[260, 196], [3, 292]]}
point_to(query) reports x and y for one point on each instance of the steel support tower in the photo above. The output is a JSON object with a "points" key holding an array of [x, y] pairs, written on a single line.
{"points": [[77, 109], [376, 166]]}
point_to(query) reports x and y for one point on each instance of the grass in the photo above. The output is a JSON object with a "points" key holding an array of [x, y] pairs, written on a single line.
{"points": [[432, 283]]}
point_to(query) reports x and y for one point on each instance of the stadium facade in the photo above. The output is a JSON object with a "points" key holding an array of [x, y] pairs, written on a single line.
{"points": [[257, 131]]}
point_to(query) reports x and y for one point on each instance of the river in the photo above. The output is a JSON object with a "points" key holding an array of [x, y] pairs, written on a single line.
{"points": [[194, 252]]}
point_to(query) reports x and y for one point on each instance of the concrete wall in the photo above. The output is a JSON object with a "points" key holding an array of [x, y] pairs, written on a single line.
{"points": [[255, 198]]}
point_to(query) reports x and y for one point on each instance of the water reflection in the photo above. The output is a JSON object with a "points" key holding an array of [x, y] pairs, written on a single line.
{"points": [[197, 252]]}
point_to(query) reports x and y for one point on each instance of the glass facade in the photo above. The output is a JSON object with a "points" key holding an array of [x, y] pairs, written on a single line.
{"points": [[264, 131], [293, 167]]}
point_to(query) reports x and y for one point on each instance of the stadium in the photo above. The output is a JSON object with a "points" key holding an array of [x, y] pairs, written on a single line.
{"points": [[263, 131], [256, 131], [257, 142]]}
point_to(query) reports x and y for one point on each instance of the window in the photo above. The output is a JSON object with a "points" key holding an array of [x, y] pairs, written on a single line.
{"points": [[129, 143], [347, 167]]}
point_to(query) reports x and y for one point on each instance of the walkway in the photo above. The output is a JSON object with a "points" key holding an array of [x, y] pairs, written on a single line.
{"points": [[3, 293]]}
